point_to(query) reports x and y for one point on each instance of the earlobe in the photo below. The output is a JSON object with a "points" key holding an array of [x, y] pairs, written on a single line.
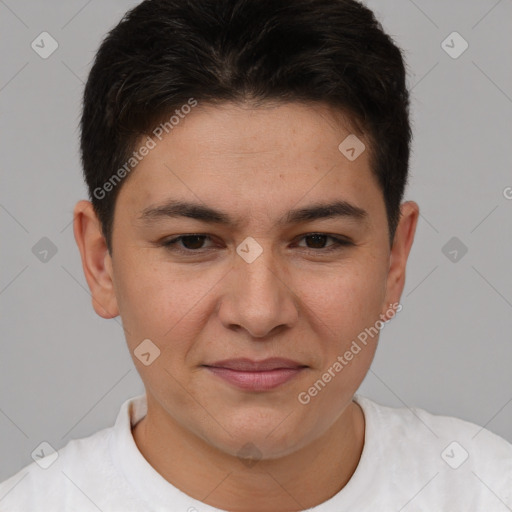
{"points": [[404, 237], [96, 261]]}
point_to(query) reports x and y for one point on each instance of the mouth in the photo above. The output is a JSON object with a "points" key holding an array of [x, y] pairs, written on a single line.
{"points": [[252, 375]]}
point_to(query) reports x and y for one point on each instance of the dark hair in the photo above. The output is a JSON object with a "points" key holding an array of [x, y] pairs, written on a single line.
{"points": [[163, 53]]}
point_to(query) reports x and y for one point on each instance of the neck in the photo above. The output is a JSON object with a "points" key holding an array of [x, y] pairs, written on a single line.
{"points": [[298, 481]]}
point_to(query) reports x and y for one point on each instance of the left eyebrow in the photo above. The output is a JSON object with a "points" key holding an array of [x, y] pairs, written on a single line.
{"points": [[175, 208]]}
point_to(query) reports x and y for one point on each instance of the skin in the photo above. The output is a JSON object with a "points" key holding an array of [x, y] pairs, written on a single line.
{"points": [[296, 300]]}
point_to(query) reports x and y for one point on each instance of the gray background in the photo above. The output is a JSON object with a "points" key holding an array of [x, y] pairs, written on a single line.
{"points": [[64, 371]]}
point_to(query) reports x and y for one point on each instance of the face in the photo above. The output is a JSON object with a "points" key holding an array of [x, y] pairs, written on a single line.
{"points": [[266, 284]]}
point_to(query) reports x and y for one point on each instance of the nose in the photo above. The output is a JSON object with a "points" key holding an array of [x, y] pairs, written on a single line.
{"points": [[259, 297]]}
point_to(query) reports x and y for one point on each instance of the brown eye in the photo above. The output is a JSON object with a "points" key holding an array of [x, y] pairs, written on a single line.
{"points": [[193, 241], [188, 243], [317, 241]]}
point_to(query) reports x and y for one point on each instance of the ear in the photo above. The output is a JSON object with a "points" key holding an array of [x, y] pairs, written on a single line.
{"points": [[96, 260], [402, 243]]}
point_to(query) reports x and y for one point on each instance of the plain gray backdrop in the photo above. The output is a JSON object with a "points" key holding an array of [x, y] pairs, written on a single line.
{"points": [[64, 371]]}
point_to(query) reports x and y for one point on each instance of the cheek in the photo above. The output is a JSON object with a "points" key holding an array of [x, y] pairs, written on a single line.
{"points": [[145, 299], [346, 299], [346, 308], [161, 302]]}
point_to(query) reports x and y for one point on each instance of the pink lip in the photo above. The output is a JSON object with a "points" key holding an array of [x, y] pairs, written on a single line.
{"points": [[256, 375]]}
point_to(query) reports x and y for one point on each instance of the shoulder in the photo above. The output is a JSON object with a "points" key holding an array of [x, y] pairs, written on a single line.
{"points": [[62, 480], [456, 460], [420, 425], [415, 420]]}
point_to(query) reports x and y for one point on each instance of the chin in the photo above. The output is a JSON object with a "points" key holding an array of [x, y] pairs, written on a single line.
{"points": [[261, 438]]}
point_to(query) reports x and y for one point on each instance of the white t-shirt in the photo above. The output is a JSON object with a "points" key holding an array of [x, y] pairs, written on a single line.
{"points": [[411, 461]]}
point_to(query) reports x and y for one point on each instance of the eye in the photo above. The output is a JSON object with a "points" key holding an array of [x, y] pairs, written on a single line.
{"points": [[192, 243], [319, 239]]}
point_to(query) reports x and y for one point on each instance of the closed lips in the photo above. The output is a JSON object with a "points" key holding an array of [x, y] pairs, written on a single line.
{"points": [[248, 365]]}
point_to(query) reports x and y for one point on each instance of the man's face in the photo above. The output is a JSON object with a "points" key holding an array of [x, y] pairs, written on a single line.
{"points": [[303, 298]]}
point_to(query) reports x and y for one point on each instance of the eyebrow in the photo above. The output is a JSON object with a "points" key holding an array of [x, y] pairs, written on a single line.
{"points": [[175, 208]]}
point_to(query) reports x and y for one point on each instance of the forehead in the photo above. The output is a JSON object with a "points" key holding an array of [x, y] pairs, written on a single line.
{"points": [[261, 157], [273, 127]]}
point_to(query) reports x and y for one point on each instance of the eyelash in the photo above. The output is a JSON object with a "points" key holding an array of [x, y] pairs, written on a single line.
{"points": [[171, 245]]}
